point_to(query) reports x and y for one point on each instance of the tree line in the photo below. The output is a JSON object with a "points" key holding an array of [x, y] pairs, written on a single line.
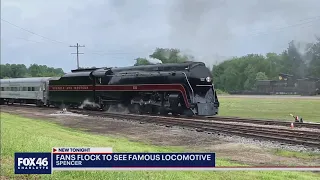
{"points": [[241, 73], [34, 70]]}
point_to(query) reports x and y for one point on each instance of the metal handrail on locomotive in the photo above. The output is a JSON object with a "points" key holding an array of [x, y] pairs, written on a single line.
{"points": [[177, 88]]}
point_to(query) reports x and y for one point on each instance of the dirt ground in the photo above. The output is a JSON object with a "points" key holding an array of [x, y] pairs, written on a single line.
{"points": [[166, 136]]}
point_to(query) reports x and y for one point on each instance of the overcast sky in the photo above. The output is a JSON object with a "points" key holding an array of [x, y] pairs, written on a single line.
{"points": [[117, 31]]}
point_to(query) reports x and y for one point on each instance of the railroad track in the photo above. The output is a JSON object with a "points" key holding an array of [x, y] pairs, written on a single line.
{"points": [[225, 119], [262, 121], [296, 137]]}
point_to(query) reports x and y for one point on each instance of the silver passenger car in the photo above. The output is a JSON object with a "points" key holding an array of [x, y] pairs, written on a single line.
{"points": [[25, 90]]}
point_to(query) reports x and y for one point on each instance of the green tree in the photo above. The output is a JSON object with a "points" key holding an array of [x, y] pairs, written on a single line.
{"points": [[34, 70], [240, 73], [313, 53], [142, 61], [296, 64], [261, 76], [249, 72], [18, 70], [165, 55], [5, 70], [274, 65]]}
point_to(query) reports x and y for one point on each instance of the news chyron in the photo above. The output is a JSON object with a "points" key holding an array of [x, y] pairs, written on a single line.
{"points": [[32, 163], [95, 158]]}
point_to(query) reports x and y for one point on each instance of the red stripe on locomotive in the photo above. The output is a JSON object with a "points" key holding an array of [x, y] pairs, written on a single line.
{"points": [[142, 87]]}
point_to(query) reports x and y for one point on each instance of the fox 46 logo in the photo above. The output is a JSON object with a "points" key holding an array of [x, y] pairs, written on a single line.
{"points": [[33, 163]]}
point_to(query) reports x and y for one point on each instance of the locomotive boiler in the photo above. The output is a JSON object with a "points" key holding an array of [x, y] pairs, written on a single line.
{"points": [[181, 88]]}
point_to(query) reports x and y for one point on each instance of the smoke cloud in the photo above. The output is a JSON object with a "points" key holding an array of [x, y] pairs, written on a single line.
{"points": [[118, 108], [219, 29], [87, 103], [115, 32]]}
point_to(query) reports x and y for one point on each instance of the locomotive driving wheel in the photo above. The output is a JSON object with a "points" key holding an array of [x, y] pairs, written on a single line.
{"points": [[134, 108], [149, 109], [105, 107]]}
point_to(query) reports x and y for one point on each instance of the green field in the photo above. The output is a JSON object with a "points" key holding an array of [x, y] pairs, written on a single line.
{"points": [[27, 135], [305, 155], [267, 108]]}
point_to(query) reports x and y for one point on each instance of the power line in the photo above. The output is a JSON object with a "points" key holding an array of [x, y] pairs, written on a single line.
{"points": [[77, 46], [28, 40], [25, 39], [52, 40], [315, 18], [32, 32], [101, 53], [119, 53]]}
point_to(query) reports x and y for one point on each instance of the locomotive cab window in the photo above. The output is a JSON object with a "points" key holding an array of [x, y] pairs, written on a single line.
{"points": [[2, 88]]}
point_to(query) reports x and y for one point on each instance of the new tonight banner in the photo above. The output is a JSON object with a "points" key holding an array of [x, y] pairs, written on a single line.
{"points": [[75, 158]]}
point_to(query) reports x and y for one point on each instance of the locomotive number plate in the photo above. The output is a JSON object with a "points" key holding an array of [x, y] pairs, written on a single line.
{"points": [[134, 87]]}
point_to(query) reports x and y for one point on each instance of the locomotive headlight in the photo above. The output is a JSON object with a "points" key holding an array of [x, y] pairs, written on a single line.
{"points": [[208, 79]]}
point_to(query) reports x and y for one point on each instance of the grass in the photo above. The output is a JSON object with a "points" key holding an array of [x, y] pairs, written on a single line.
{"points": [[220, 92], [266, 108], [27, 135], [305, 155]]}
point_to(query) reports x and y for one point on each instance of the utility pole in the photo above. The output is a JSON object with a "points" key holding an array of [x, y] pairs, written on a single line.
{"points": [[77, 46]]}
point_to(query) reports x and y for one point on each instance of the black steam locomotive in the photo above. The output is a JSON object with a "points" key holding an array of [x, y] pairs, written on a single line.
{"points": [[184, 88]]}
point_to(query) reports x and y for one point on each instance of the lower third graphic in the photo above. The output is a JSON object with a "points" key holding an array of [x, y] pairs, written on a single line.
{"points": [[32, 163]]}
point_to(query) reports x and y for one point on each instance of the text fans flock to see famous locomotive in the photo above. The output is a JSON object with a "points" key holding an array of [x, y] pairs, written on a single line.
{"points": [[182, 88]]}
